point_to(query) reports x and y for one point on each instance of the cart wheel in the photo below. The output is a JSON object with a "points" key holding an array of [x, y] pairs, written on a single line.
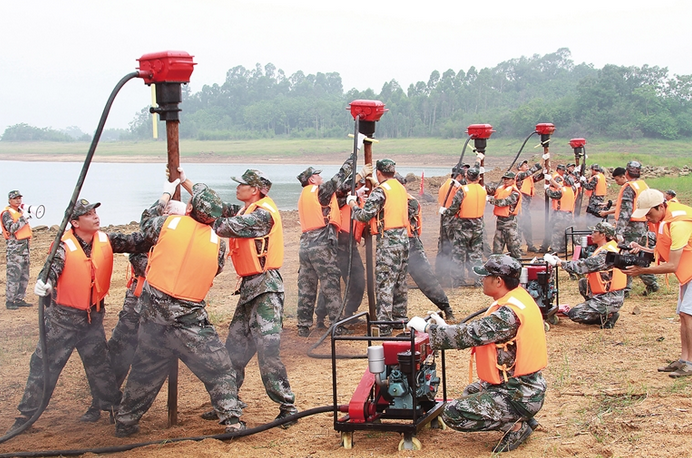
{"points": [[411, 443], [553, 320], [546, 326], [347, 440], [437, 423]]}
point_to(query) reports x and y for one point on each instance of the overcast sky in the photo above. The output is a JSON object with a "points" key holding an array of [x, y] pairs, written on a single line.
{"points": [[60, 60]]}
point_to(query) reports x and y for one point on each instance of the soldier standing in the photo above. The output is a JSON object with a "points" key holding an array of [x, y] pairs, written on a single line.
{"points": [[510, 351], [561, 193], [507, 202], [525, 179], [17, 233], [387, 207], [596, 188]]}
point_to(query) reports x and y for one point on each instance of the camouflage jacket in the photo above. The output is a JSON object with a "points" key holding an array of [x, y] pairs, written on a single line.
{"points": [[521, 176], [626, 210], [594, 263]]}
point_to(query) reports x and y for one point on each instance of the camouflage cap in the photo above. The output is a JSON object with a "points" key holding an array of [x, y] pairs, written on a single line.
{"points": [[510, 175], [634, 169], [473, 173], [571, 164], [519, 165], [671, 193], [561, 167], [14, 194], [206, 204], [386, 166], [499, 264], [305, 175], [595, 166], [254, 177], [604, 228], [82, 207]]}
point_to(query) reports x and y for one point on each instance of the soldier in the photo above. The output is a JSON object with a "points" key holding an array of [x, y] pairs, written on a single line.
{"points": [[467, 210], [81, 273], [448, 227], [561, 193], [507, 202], [510, 350], [17, 233], [596, 188], [603, 287], [628, 228], [620, 179], [174, 323], [418, 264], [525, 179], [387, 208], [670, 196], [319, 218]]}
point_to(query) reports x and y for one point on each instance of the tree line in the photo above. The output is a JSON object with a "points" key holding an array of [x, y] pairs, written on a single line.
{"points": [[626, 102]]}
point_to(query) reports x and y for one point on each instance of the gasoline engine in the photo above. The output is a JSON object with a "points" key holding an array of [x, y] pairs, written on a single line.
{"points": [[539, 278], [397, 391]]}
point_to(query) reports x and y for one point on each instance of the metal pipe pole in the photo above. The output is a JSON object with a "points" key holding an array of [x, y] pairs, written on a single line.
{"points": [[369, 255]]}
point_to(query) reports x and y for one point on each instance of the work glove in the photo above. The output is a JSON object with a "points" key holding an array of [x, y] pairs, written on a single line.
{"points": [[417, 323], [366, 170], [546, 156], [437, 319], [442, 210], [582, 179], [351, 199], [182, 177], [373, 181], [42, 289], [551, 259], [169, 188], [481, 170], [480, 156], [455, 183], [547, 176], [360, 192], [577, 186]]}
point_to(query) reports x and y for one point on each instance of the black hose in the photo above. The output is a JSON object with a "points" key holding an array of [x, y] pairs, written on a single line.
{"points": [[126, 447], [45, 300], [519, 152]]}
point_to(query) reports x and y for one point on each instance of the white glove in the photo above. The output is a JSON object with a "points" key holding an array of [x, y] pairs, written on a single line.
{"points": [[488, 198], [42, 289], [366, 170], [577, 186], [169, 188], [546, 156], [547, 176], [619, 238], [455, 183], [351, 199], [360, 192], [480, 156], [551, 259], [373, 181], [582, 179], [361, 139], [182, 177], [546, 186], [417, 323], [481, 170], [442, 210], [437, 319]]}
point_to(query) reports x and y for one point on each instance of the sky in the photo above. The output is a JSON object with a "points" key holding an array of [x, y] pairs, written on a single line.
{"points": [[60, 59]]}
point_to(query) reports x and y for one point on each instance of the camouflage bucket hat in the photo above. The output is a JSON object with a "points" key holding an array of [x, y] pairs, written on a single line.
{"points": [[386, 166], [473, 173], [82, 207], [306, 174], [510, 175], [499, 264], [206, 204], [256, 178], [14, 194], [604, 228]]}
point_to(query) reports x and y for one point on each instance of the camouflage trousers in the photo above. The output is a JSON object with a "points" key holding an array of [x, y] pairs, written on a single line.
{"points": [[391, 268], [486, 407], [356, 282], [256, 328], [123, 341], [559, 221], [17, 278], [443, 260], [507, 234], [195, 342], [596, 307], [525, 223], [467, 251], [66, 329], [420, 270], [318, 268], [637, 231]]}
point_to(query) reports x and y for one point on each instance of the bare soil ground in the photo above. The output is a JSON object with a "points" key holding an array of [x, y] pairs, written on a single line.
{"points": [[605, 397]]}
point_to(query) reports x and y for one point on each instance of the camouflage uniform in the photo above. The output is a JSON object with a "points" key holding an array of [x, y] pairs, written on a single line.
{"points": [[258, 319], [318, 255], [559, 221], [68, 328], [391, 261], [634, 231], [449, 227], [172, 328], [525, 223], [506, 230], [18, 260], [484, 406]]}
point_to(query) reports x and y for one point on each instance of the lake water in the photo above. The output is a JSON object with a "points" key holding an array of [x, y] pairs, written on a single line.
{"points": [[125, 189]]}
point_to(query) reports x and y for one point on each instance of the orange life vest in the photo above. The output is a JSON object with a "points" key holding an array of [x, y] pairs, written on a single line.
{"points": [[394, 213], [310, 210], [637, 186], [442, 193], [473, 205], [675, 212], [532, 351], [245, 254], [618, 278], [23, 233], [601, 185], [184, 261], [502, 193], [345, 221], [527, 186], [566, 202], [85, 281], [415, 224]]}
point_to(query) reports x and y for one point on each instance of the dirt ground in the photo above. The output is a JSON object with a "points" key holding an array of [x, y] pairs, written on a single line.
{"points": [[605, 397]]}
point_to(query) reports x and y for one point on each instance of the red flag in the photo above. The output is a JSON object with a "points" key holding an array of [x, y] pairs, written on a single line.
{"points": [[422, 184]]}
